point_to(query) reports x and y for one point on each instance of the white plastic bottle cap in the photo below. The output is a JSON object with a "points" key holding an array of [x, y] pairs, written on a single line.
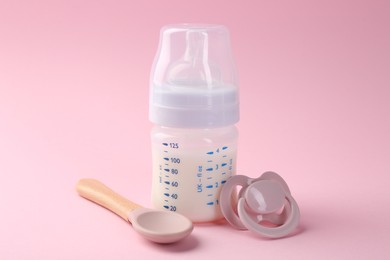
{"points": [[193, 81]]}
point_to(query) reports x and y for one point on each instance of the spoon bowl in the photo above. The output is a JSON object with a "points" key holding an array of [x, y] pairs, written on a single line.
{"points": [[160, 226]]}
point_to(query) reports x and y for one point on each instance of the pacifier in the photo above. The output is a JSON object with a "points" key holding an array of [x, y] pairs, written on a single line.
{"points": [[264, 205]]}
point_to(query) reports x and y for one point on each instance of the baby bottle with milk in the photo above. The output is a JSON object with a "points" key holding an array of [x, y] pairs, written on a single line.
{"points": [[193, 105]]}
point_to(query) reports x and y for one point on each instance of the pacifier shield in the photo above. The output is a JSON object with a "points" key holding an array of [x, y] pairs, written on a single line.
{"points": [[265, 197]]}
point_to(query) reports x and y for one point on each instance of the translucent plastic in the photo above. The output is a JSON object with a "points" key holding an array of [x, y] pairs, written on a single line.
{"points": [[194, 106], [189, 168], [193, 81]]}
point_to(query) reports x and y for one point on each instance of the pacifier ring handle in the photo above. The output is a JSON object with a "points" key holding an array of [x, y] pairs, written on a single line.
{"points": [[287, 227], [226, 202]]}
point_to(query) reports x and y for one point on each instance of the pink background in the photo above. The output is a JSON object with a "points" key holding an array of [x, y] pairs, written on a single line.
{"points": [[315, 88]]}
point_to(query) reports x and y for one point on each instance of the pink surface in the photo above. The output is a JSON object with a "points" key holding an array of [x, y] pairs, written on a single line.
{"points": [[315, 88]]}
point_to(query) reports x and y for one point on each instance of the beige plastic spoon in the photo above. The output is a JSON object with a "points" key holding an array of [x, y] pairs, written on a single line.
{"points": [[156, 225]]}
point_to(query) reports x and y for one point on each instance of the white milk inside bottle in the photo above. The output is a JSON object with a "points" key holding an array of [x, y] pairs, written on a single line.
{"points": [[194, 106], [190, 167]]}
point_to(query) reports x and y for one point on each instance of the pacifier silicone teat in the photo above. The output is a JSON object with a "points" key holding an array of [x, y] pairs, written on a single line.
{"points": [[265, 205]]}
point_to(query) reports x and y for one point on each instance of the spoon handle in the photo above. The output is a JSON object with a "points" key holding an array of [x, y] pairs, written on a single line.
{"points": [[99, 193]]}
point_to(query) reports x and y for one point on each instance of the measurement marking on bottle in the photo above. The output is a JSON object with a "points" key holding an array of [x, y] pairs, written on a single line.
{"points": [[209, 174], [199, 188]]}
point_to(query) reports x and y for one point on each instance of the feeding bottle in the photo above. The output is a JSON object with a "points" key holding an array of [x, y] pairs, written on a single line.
{"points": [[194, 105]]}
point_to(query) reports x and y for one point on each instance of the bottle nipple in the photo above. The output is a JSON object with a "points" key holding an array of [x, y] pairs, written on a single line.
{"points": [[193, 79], [194, 68]]}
